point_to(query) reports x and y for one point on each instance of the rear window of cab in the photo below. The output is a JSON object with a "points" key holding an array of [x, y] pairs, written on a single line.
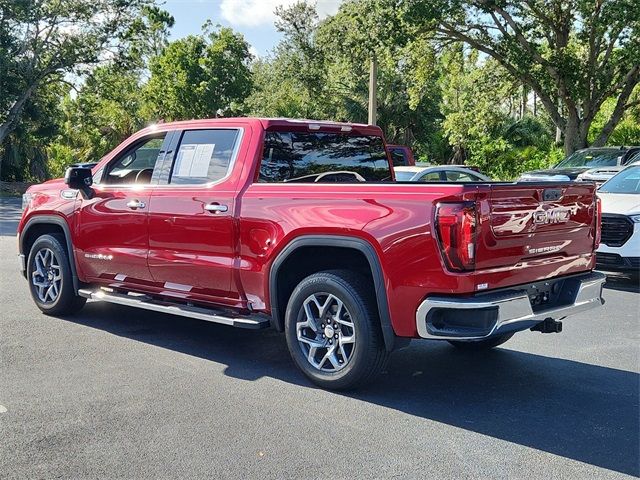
{"points": [[323, 157]]}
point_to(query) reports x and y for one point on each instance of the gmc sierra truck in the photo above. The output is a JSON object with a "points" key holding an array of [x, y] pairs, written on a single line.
{"points": [[300, 226]]}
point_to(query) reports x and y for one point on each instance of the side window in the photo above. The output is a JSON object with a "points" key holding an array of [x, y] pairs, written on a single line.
{"points": [[136, 164], [431, 177], [398, 157], [453, 176], [204, 156]]}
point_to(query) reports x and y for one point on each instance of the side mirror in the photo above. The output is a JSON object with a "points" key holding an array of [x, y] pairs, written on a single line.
{"points": [[80, 178]]}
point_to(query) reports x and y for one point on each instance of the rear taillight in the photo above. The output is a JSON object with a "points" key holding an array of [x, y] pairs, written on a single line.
{"points": [[598, 233], [456, 229]]}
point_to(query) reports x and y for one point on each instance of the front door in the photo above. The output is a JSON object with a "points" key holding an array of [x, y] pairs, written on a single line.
{"points": [[191, 218], [112, 229]]}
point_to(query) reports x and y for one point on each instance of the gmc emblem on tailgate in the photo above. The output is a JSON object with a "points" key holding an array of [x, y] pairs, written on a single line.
{"points": [[553, 215]]}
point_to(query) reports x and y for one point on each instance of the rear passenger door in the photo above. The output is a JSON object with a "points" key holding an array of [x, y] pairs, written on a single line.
{"points": [[191, 217]]}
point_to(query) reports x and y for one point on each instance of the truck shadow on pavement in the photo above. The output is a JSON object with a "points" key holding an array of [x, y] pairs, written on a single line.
{"points": [[576, 410]]}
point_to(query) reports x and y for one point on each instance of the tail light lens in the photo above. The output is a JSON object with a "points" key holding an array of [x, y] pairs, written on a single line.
{"points": [[456, 229], [598, 232]]}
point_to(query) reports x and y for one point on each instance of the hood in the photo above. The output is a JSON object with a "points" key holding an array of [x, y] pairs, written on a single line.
{"points": [[48, 185], [600, 175], [620, 203], [572, 172]]}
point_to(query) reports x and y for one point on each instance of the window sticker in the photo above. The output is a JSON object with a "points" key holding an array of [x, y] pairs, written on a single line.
{"points": [[193, 160]]}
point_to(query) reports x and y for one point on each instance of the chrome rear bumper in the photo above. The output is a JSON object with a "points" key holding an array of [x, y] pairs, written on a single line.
{"points": [[485, 315]]}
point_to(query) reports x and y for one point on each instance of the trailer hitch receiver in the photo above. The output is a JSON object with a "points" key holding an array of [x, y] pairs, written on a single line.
{"points": [[549, 325]]}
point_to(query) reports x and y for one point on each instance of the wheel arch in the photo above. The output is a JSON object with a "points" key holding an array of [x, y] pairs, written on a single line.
{"points": [[363, 247], [40, 225]]}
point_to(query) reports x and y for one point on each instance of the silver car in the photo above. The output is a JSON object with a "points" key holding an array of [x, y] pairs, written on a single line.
{"points": [[438, 173], [601, 175]]}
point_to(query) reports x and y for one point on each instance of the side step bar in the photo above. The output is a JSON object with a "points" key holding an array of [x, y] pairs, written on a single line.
{"points": [[145, 302]]}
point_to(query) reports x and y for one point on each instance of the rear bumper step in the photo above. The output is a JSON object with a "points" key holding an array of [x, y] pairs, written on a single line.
{"points": [[148, 303], [485, 315]]}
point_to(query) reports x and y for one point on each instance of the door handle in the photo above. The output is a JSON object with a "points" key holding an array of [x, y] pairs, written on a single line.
{"points": [[216, 208], [133, 204]]}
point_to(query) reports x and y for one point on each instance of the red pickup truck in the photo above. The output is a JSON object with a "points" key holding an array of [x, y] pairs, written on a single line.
{"points": [[299, 226]]}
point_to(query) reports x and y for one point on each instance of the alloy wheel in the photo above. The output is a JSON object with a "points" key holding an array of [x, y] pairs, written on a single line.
{"points": [[46, 276], [325, 332]]}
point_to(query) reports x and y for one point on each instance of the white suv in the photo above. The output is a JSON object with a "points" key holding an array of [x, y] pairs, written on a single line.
{"points": [[620, 245]]}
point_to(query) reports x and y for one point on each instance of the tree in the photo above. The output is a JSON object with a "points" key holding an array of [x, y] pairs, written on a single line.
{"points": [[573, 54], [200, 76], [43, 40], [107, 109], [407, 76], [320, 69], [25, 150], [292, 82]]}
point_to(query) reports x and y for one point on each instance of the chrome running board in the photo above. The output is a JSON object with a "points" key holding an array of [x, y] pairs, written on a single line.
{"points": [[138, 300]]}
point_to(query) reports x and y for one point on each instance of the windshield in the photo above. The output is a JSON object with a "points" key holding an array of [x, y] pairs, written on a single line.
{"points": [[627, 181], [591, 158]]}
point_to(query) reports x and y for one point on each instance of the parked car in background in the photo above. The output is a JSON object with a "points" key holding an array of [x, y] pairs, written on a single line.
{"points": [[438, 173], [582, 161], [401, 155], [601, 175], [620, 243]]}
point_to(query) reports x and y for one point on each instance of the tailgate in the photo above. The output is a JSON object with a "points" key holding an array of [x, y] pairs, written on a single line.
{"points": [[523, 223]]}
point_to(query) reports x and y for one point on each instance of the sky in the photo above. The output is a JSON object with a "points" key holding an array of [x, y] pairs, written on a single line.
{"points": [[253, 18]]}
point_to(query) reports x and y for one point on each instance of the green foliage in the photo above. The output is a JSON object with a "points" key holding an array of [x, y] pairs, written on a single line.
{"points": [[60, 157], [627, 132], [456, 79], [24, 151], [529, 131], [43, 40], [321, 70], [107, 109], [200, 76], [504, 161], [43, 44], [580, 52]]}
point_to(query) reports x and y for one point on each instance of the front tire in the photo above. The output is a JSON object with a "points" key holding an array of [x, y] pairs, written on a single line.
{"points": [[333, 330], [478, 345], [50, 278]]}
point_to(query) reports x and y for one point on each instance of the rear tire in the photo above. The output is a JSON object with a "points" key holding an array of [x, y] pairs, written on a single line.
{"points": [[50, 278], [477, 345], [333, 330]]}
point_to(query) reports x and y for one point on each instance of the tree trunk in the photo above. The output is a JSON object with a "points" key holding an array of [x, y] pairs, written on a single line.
{"points": [[575, 135], [14, 113], [373, 91]]}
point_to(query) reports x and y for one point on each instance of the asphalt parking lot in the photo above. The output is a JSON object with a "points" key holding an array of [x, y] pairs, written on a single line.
{"points": [[117, 392]]}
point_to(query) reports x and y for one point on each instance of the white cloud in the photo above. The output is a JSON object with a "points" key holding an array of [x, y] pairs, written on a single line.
{"points": [[251, 13], [254, 51]]}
